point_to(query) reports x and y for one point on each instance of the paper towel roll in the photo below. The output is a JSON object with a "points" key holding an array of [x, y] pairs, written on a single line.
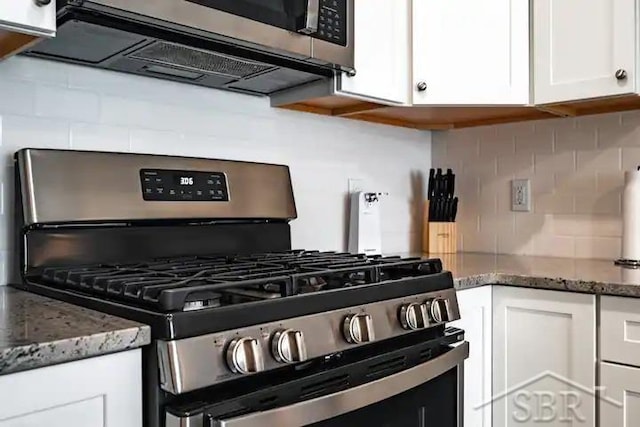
{"points": [[630, 276], [631, 216]]}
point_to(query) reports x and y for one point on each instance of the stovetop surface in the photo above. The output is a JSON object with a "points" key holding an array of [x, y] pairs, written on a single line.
{"points": [[205, 282], [191, 295]]}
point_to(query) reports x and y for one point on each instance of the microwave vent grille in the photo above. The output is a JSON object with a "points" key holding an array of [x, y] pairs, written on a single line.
{"points": [[175, 55]]}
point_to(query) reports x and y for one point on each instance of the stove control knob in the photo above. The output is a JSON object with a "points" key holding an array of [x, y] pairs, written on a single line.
{"points": [[244, 356], [438, 310], [288, 346], [413, 316], [358, 328]]}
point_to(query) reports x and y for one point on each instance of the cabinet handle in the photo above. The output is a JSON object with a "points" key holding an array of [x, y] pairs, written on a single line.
{"points": [[41, 3], [621, 74], [421, 86]]}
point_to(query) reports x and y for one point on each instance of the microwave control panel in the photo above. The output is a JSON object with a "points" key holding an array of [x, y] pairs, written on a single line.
{"points": [[183, 186], [332, 22]]}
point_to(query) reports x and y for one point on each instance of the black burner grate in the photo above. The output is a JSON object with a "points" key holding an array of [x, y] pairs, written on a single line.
{"points": [[193, 283]]}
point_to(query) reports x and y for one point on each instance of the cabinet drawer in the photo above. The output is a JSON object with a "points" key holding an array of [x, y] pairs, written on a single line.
{"points": [[620, 396], [620, 330]]}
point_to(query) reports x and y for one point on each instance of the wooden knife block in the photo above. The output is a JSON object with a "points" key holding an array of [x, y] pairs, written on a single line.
{"points": [[438, 237]]}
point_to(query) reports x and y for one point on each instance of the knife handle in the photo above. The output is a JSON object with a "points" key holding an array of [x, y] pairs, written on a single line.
{"points": [[430, 189], [454, 209]]}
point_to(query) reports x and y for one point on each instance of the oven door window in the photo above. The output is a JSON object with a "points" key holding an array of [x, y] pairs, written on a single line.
{"points": [[418, 386], [287, 14]]}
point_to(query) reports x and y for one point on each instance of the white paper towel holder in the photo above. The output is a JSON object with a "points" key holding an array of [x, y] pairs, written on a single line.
{"points": [[630, 220]]}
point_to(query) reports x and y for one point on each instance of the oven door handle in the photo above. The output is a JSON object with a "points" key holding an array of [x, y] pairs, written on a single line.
{"points": [[333, 405]]}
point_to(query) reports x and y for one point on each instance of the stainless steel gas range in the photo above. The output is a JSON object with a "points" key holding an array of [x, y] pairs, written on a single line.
{"points": [[247, 332]]}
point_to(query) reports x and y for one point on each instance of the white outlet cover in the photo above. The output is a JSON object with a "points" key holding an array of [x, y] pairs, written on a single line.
{"points": [[521, 195]]}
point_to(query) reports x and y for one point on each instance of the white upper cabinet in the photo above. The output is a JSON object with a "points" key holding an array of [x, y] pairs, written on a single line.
{"points": [[382, 52], [579, 47], [36, 17], [473, 52]]}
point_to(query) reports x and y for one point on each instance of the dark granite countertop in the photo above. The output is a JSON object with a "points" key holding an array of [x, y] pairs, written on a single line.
{"points": [[565, 274], [36, 331]]}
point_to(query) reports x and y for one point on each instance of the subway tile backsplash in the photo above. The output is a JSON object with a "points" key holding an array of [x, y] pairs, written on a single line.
{"points": [[576, 167], [54, 105]]}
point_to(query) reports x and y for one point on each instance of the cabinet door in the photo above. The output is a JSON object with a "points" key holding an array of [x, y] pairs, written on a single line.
{"points": [[26, 16], [382, 48], [103, 391], [620, 326], [578, 46], [475, 313], [544, 358], [620, 398], [471, 52]]}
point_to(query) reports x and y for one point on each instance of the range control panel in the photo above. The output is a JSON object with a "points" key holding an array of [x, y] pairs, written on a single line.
{"points": [[332, 22], [180, 186]]}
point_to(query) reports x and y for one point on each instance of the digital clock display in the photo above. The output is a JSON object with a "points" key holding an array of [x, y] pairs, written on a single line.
{"points": [[183, 186], [185, 180]]}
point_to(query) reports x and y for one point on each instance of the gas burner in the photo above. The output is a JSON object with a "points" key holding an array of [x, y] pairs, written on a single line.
{"points": [[203, 282]]}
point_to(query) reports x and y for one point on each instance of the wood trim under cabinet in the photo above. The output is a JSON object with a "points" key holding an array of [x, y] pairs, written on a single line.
{"points": [[445, 118], [12, 43], [360, 108], [558, 110]]}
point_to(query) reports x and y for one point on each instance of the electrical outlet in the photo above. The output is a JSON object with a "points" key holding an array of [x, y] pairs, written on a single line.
{"points": [[521, 195], [356, 185]]}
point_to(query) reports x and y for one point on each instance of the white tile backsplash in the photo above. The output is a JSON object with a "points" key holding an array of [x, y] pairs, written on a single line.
{"points": [[54, 105], [64, 103], [93, 136], [576, 167], [16, 97]]}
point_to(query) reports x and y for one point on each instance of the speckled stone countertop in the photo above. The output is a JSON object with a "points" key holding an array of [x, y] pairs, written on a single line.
{"points": [[471, 270], [36, 331]]}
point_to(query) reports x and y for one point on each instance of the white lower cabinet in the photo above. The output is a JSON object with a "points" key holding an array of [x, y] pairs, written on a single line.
{"points": [[532, 358], [620, 396], [620, 330], [475, 313], [620, 367], [544, 358], [104, 391]]}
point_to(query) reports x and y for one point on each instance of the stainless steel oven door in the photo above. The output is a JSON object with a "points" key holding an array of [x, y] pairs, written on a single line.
{"points": [[325, 411], [244, 31]]}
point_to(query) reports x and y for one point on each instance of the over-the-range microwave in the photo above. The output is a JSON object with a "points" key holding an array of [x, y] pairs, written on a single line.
{"points": [[258, 46]]}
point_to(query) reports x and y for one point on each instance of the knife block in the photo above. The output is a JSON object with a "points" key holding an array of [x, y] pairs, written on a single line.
{"points": [[438, 237]]}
